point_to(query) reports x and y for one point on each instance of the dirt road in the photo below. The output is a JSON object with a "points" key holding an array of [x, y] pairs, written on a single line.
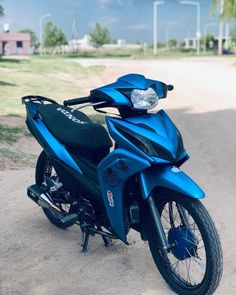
{"points": [[36, 258]]}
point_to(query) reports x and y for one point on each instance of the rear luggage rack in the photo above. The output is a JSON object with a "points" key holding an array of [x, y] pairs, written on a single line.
{"points": [[37, 98]]}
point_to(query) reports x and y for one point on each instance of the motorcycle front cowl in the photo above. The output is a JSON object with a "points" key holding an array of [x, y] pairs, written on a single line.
{"points": [[153, 155]]}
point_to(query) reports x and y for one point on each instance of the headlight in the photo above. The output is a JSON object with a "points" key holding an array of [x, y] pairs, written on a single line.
{"points": [[144, 99]]}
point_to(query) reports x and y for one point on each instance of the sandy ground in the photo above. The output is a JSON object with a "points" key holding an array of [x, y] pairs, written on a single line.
{"points": [[36, 258]]}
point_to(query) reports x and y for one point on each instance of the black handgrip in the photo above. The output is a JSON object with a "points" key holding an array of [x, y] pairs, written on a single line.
{"points": [[75, 101], [170, 87]]}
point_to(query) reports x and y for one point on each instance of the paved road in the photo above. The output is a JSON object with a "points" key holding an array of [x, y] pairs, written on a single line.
{"points": [[37, 258]]}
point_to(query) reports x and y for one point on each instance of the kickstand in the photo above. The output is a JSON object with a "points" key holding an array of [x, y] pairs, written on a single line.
{"points": [[85, 243], [107, 241]]}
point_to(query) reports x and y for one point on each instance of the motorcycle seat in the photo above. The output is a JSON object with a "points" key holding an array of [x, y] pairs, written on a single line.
{"points": [[73, 128]]}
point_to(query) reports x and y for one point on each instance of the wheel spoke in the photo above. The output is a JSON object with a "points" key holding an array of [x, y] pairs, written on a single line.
{"points": [[187, 269], [166, 219], [190, 241], [176, 214], [192, 257], [191, 270]]}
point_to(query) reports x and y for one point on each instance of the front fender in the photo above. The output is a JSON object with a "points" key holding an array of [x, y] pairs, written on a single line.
{"points": [[169, 177]]}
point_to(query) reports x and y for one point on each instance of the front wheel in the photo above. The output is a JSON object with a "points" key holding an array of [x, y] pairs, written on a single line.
{"points": [[193, 265]]}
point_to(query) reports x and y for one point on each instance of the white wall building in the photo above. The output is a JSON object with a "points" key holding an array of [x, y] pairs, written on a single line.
{"points": [[83, 43]]}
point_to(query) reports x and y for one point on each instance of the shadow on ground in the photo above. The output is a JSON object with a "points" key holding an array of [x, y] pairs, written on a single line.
{"points": [[9, 60], [3, 83]]}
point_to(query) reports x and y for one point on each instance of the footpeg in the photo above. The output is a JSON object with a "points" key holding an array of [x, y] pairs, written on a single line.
{"points": [[70, 219]]}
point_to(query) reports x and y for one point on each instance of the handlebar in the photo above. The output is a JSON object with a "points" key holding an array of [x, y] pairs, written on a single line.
{"points": [[86, 99], [75, 101]]}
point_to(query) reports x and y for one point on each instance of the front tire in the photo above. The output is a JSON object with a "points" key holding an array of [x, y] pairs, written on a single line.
{"points": [[197, 234]]}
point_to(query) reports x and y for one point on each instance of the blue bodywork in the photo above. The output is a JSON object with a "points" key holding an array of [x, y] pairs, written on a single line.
{"points": [[114, 171], [149, 146], [153, 171], [112, 92], [169, 177], [57, 148], [156, 128]]}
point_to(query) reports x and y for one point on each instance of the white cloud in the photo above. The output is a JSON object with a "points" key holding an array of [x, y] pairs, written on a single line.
{"points": [[119, 3], [106, 21], [175, 23], [139, 27], [105, 2], [109, 20]]}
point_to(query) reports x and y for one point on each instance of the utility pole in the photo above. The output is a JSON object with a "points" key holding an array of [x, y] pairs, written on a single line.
{"points": [[221, 27], [155, 4], [41, 31], [198, 33], [227, 36], [167, 38], [74, 28]]}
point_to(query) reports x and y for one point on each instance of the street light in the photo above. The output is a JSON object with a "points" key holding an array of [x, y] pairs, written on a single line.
{"points": [[40, 31], [221, 27], [155, 4], [205, 32], [227, 36], [198, 34]]}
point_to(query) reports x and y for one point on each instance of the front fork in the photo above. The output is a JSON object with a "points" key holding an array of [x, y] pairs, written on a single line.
{"points": [[157, 223]]}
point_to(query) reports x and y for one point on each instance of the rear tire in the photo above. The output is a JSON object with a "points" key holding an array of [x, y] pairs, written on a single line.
{"points": [[210, 240], [41, 167]]}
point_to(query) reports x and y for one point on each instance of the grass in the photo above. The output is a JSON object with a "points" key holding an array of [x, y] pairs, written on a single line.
{"points": [[12, 134], [18, 157], [60, 77], [97, 118], [51, 76], [103, 53]]}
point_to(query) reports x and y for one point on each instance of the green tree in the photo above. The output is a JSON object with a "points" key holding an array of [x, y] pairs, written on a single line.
{"points": [[229, 8], [1, 14], [172, 43], [1, 11], [53, 36], [233, 34], [208, 41], [99, 36], [209, 37], [33, 37]]}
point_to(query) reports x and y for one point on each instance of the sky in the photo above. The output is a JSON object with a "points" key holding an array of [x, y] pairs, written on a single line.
{"points": [[131, 20]]}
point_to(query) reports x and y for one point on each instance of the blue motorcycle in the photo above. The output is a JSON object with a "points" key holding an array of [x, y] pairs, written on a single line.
{"points": [[138, 184]]}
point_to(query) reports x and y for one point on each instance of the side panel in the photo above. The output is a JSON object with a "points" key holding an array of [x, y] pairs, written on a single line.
{"points": [[113, 173], [169, 177], [48, 142]]}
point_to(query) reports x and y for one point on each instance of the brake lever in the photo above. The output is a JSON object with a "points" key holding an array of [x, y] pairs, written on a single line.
{"points": [[88, 105]]}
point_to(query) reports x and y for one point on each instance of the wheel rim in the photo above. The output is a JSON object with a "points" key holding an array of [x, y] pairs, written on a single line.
{"points": [[189, 264]]}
